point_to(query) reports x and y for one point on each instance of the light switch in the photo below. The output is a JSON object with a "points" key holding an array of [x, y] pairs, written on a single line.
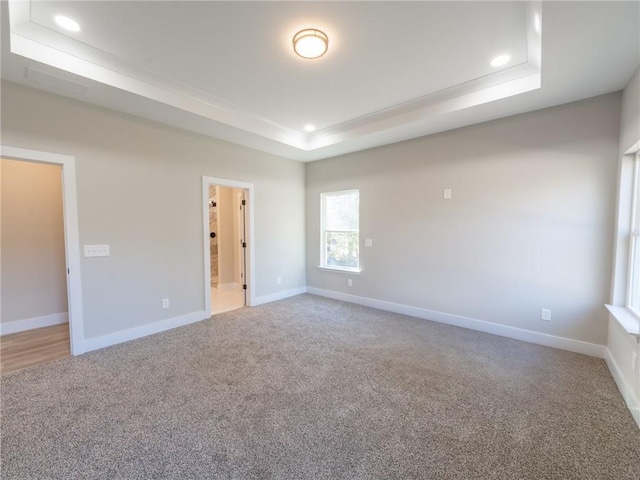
{"points": [[368, 242], [96, 250], [447, 194]]}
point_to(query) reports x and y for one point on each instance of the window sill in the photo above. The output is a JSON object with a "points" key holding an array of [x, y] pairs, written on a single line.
{"points": [[347, 270], [626, 318]]}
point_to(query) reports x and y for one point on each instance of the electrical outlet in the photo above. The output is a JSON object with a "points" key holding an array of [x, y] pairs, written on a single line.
{"points": [[349, 282], [634, 361], [165, 303], [545, 314], [368, 242], [279, 280]]}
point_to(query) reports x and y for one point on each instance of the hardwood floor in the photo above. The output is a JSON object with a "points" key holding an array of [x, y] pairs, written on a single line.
{"points": [[34, 347]]}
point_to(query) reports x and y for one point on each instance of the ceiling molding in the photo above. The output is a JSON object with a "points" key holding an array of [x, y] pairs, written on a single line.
{"points": [[505, 83], [44, 45]]}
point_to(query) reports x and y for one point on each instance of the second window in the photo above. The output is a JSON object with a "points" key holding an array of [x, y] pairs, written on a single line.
{"points": [[340, 230]]}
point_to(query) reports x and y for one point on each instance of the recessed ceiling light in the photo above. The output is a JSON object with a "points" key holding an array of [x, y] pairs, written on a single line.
{"points": [[67, 23], [309, 128], [500, 60], [310, 43]]}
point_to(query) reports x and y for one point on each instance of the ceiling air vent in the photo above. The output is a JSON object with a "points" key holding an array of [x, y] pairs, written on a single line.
{"points": [[57, 84]]}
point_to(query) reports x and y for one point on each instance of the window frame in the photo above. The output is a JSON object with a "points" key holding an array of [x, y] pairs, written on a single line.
{"points": [[633, 301], [323, 247]]}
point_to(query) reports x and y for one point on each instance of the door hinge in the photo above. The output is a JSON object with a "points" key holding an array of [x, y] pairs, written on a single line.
{"points": [[244, 244], [244, 202], [244, 287], [68, 271]]}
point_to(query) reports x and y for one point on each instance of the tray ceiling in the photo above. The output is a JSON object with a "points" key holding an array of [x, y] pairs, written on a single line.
{"points": [[227, 69]]}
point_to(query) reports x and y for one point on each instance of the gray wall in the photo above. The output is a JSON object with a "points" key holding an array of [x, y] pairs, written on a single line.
{"points": [[139, 189], [630, 118], [34, 280], [529, 225]]}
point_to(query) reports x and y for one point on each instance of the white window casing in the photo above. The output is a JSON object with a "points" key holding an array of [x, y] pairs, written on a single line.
{"points": [[340, 231]]}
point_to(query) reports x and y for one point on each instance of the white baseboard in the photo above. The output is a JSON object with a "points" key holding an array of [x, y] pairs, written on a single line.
{"points": [[143, 330], [31, 323], [633, 402], [470, 323], [223, 287], [278, 296]]}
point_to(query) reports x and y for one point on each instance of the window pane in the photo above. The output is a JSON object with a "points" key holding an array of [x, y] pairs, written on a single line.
{"points": [[634, 274], [341, 249], [636, 180], [634, 300], [341, 211]]}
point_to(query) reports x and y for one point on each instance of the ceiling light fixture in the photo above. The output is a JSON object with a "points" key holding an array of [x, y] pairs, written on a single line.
{"points": [[310, 43], [309, 128], [67, 23], [500, 60]]}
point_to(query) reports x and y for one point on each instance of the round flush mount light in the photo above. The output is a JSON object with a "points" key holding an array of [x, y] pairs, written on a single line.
{"points": [[309, 128], [310, 43], [67, 23], [500, 60]]}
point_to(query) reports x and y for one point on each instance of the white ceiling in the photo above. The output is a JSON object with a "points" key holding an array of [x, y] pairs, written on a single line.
{"points": [[394, 70]]}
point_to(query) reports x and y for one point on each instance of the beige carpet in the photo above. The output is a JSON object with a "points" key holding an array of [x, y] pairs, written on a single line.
{"points": [[310, 388]]}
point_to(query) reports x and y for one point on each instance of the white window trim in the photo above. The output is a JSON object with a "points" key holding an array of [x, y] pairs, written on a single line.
{"points": [[627, 317], [634, 233], [333, 268], [347, 270]]}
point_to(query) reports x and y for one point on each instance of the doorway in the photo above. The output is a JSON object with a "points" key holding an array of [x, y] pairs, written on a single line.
{"points": [[227, 219], [34, 308], [68, 283]]}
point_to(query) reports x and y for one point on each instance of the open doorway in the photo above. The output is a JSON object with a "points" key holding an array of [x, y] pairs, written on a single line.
{"points": [[71, 264], [34, 323], [227, 219], [226, 240]]}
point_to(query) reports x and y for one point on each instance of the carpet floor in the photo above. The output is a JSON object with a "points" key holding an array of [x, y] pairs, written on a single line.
{"points": [[312, 388]]}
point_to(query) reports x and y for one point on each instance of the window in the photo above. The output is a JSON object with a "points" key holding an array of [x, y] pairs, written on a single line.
{"points": [[340, 239], [633, 295]]}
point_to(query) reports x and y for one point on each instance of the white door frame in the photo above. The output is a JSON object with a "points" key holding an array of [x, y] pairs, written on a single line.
{"points": [[249, 268], [71, 234], [217, 233], [240, 218]]}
